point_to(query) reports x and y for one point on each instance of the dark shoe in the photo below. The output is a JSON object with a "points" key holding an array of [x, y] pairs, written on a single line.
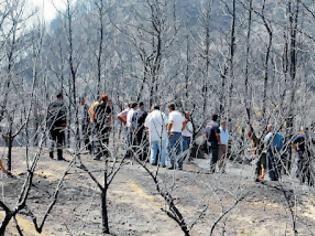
{"points": [[10, 175], [162, 166], [51, 155], [96, 158], [171, 168], [153, 164], [60, 155]]}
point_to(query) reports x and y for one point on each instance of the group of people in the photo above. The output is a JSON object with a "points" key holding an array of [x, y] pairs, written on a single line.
{"points": [[274, 155], [168, 137], [95, 125]]}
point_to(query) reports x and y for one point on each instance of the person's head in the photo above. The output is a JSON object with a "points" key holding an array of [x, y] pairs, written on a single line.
{"points": [[187, 115], [171, 107], [215, 117], [269, 128], [82, 100], [155, 107], [223, 124], [103, 98], [134, 105], [141, 105], [59, 96]]}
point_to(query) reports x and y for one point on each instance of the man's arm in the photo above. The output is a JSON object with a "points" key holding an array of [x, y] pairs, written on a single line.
{"points": [[217, 133], [184, 124], [169, 125], [169, 128], [129, 118]]}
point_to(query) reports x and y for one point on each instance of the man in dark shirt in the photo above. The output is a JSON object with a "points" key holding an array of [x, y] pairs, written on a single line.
{"points": [[213, 138], [103, 118], [303, 162], [137, 129], [56, 124]]}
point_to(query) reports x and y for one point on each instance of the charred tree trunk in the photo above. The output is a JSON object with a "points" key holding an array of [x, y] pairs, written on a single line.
{"points": [[206, 54], [187, 68], [5, 222], [11, 56], [100, 7], [266, 63], [144, 79], [69, 122], [9, 138], [248, 95], [231, 60], [10, 146], [222, 97], [293, 22], [73, 73], [105, 224], [285, 69]]}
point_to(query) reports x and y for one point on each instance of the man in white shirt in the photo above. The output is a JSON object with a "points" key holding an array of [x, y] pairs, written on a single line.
{"points": [[122, 116], [132, 110], [174, 131], [130, 135], [224, 140], [155, 123]]}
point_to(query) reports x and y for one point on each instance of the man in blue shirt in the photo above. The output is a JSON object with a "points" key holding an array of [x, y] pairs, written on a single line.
{"points": [[224, 139]]}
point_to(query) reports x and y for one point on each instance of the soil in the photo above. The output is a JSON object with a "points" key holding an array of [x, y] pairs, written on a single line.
{"points": [[135, 207]]}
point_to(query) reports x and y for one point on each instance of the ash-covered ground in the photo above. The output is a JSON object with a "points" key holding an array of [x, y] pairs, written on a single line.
{"points": [[136, 208]]}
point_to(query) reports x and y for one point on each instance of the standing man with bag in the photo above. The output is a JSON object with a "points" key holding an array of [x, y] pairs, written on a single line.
{"points": [[155, 123]]}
